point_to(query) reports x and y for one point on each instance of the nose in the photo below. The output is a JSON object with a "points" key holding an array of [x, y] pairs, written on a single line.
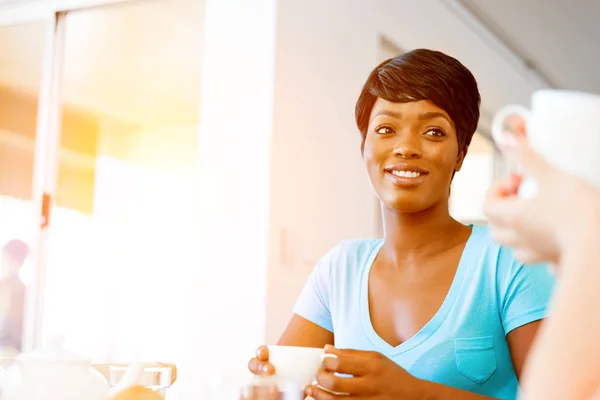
{"points": [[408, 146]]}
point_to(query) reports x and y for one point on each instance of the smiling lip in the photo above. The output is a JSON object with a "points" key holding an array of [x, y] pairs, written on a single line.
{"points": [[406, 175]]}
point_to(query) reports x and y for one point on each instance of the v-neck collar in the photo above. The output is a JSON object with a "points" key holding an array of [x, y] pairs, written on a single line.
{"points": [[434, 323]]}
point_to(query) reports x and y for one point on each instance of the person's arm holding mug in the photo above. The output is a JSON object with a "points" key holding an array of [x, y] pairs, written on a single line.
{"points": [[560, 224], [300, 331]]}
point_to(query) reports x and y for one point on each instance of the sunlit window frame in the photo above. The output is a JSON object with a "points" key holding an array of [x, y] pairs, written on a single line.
{"points": [[52, 13]]}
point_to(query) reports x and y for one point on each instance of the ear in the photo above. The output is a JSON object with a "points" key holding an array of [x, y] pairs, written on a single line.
{"points": [[460, 158]]}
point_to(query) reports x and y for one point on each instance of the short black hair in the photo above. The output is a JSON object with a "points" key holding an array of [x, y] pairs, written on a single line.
{"points": [[424, 74]]}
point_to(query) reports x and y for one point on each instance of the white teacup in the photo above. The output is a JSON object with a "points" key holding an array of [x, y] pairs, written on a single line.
{"points": [[563, 126], [296, 366]]}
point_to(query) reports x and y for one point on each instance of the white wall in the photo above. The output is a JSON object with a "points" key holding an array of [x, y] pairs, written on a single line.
{"points": [[471, 184], [325, 50], [228, 281]]}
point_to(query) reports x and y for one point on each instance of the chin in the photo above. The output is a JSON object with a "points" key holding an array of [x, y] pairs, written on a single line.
{"points": [[408, 204]]}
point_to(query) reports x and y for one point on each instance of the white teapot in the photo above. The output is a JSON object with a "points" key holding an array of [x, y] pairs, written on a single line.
{"points": [[52, 373]]}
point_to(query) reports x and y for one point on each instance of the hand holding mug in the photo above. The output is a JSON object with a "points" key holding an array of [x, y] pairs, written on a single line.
{"points": [[544, 227], [562, 126], [288, 367], [551, 203], [368, 374]]}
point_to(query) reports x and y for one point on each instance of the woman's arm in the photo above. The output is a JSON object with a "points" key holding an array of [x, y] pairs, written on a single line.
{"points": [[301, 332], [520, 343], [565, 362], [313, 304]]}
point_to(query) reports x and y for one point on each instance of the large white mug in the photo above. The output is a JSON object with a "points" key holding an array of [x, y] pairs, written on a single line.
{"points": [[562, 126]]}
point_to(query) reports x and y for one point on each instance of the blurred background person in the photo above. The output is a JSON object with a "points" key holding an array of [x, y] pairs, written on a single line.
{"points": [[12, 295]]}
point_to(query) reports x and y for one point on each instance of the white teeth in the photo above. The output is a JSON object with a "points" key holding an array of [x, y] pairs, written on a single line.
{"points": [[406, 174]]}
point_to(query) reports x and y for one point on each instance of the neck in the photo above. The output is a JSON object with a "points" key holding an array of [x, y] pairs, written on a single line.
{"points": [[410, 237]]}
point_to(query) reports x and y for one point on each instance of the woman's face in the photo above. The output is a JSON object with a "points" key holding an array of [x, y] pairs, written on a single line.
{"points": [[411, 152]]}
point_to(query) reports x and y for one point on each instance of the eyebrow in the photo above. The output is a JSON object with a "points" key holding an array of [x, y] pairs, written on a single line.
{"points": [[422, 117], [432, 115], [389, 113]]}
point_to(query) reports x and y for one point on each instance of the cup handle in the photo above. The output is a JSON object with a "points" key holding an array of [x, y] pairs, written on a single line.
{"points": [[500, 132]]}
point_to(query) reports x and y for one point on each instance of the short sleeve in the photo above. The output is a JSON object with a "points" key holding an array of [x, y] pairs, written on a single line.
{"points": [[525, 291], [313, 303]]}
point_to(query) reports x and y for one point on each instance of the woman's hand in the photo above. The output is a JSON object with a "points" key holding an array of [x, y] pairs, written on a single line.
{"points": [[562, 214], [260, 364], [374, 376]]}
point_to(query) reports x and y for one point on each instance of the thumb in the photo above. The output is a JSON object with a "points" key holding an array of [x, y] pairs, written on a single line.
{"points": [[330, 349]]}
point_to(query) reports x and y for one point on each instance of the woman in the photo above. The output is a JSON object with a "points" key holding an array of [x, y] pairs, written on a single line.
{"points": [[561, 225], [436, 309]]}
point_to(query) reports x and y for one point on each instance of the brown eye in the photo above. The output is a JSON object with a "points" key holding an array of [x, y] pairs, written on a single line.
{"points": [[384, 130], [435, 132]]}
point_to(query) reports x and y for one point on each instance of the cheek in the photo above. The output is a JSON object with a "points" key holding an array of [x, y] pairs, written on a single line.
{"points": [[372, 161], [369, 155], [445, 159]]}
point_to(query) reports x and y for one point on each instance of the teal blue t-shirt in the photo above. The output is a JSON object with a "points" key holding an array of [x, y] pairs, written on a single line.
{"points": [[464, 344]]}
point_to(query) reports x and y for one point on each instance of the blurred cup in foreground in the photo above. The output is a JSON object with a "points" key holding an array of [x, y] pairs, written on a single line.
{"points": [[157, 379], [562, 126]]}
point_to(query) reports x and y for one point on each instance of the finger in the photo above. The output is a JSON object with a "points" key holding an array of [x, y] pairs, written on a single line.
{"points": [[504, 235], [532, 163], [500, 189], [504, 212], [262, 353], [338, 384], [319, 394], [511, 238], [516, 125], [351, 362], [258, 367], [329, 349], [506, 187], [512, 185]]}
